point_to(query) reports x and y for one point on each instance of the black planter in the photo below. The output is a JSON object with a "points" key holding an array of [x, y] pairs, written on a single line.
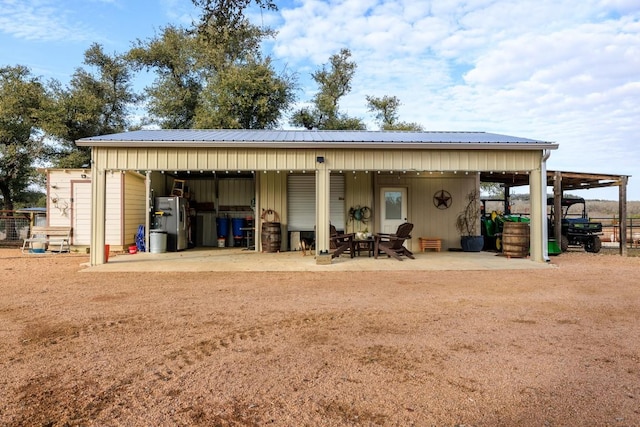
{"points": [[472, 243]]}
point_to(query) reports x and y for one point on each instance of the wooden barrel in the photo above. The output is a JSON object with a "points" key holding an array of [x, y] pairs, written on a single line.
{"points": [[271, 237], [515, 239]]}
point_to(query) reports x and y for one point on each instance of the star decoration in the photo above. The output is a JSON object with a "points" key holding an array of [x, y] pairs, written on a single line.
{"points": [[442, 199]]}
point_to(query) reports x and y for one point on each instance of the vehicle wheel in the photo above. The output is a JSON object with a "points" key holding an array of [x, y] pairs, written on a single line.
{"points": [[564, 243], [499, 244], [593, 245]]}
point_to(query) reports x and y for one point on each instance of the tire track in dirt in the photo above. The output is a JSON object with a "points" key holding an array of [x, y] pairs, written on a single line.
{"points": [[192, 355]]}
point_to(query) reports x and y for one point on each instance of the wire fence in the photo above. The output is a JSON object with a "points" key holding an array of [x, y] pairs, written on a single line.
{"points": [[14, 227], [611, 230]]}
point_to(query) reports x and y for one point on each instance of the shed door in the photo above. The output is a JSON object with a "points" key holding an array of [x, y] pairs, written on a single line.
{"points": [[302, 202], [81, 212]]}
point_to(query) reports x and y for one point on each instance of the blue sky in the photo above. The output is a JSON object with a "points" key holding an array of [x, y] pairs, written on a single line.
{"points": [[566, 71]]}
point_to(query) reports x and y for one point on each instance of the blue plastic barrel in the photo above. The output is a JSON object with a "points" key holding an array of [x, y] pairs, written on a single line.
{"points": [[222, 224], [236, 225]]}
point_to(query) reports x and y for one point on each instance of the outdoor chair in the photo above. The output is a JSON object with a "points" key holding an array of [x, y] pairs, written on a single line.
{"points": [[340, 243], [393, 244]]}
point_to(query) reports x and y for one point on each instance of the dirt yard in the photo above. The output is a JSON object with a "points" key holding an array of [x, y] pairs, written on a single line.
{"points": [[548, 347]]}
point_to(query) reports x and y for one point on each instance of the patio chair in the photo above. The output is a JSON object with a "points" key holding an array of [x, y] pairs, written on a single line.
{"points": [[393, 244], [340, 243]]}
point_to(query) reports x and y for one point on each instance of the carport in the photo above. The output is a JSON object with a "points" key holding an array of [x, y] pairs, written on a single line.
{"points": [[562, 181]]}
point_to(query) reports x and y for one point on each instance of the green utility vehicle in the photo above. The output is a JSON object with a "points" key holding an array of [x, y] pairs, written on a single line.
{"points": [[577, 230]]}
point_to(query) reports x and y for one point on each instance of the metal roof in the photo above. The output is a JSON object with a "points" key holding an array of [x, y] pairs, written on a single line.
{"points": [[570, 180], [312, 138]]}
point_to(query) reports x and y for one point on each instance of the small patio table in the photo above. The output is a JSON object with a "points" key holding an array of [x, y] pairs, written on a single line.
{"points": [[364, 244]]}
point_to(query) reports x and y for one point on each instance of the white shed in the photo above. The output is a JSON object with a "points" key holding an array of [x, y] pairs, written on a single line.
{"points": [[69, 204]]}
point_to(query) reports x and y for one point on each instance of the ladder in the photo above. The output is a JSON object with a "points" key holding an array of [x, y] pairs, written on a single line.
{"points": [[178, 187]]}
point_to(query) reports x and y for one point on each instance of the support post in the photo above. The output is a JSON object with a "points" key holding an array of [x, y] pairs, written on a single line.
{"points": [[622, 212], [98, 217], [537, 184], [557, 206], [148, 207], [322, 208]]}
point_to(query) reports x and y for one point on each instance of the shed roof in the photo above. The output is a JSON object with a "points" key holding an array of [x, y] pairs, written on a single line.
{"points": [[570, 180], [315, 139]]}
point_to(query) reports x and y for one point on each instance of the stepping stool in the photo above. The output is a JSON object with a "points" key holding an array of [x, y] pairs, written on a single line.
{"points": [[430, 243]]}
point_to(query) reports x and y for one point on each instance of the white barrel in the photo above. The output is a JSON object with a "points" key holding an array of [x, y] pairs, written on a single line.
{"points": [[157, 241]]}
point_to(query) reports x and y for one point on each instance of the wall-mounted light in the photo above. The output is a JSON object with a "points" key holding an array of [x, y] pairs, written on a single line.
{"points": [[83, 176], [320, 159]]}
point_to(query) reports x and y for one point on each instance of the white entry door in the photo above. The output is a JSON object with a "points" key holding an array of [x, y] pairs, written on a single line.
{"points": [[393, 208]]}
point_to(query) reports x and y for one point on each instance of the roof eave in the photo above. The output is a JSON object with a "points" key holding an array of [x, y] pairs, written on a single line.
{"points": [[324, 145]]}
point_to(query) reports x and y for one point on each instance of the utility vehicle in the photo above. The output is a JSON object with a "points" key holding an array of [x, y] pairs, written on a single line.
{"points": [[577, 229]]}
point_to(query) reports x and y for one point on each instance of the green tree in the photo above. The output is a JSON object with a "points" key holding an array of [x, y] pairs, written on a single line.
{"points": [[334, 82], [92, 104], [247, 96], [213, 76], [173, 97], [22, 97], [229, 13], [385, 110]]}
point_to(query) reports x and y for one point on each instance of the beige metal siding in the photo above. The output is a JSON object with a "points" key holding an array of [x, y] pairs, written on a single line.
{"points": [[428, 220], [114, 210], [272, 194], [358, 192], [195, 159], [235, 191], [203, 190], [134, 206]]}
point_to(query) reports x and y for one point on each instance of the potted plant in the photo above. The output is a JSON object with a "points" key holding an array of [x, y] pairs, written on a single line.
{"points": [[467, 224]]}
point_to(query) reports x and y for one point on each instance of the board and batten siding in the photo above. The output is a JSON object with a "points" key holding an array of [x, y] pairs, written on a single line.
{"points": [[69, 205], [60, 195], [81, 213], [114, 209]]}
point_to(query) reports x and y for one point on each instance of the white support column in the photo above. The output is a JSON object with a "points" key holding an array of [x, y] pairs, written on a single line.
{"points": [[148, 207], [538, 226], [257, 222], [98, 215], [323, 175]]}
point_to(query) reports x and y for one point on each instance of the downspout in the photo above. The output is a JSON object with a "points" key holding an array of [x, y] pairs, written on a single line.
{"points": [[545, 226]]}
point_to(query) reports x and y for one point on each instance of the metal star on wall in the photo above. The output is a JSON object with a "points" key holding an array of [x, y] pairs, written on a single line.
{"points": [[442, 199]]}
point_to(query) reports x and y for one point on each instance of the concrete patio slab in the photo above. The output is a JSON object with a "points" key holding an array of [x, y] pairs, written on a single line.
{"points": [[236, 259]]}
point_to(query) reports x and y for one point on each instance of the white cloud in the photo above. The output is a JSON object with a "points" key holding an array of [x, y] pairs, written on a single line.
{"points": [[545, 69], [42, 20]]}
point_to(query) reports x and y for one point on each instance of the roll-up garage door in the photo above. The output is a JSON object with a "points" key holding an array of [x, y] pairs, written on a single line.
{"points": [[302, 202]]}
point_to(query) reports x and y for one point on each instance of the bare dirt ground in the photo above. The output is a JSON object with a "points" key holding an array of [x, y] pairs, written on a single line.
{"points": [[548, 347]]}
